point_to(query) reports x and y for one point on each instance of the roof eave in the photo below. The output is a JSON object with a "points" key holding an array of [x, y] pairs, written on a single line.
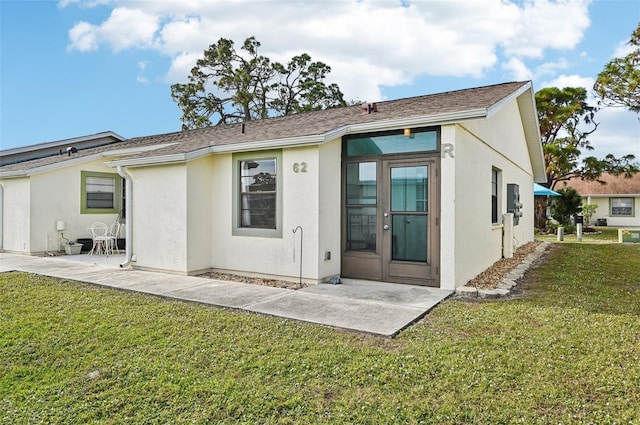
{"points": [[63, 142], [529, 116], [531, 127], [135, 150], [49, 167], [609, 195], [78, 160], [13, 174], [175, 158]]}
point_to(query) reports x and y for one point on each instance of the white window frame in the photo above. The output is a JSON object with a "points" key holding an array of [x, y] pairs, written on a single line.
{"points": [[618, 198]]}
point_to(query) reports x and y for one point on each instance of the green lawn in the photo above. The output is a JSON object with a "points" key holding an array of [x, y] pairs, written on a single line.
{"points": [[566, 349], [602, 235]]}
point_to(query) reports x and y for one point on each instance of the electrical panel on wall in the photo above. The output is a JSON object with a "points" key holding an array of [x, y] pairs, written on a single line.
{"points": [[513, 202]]}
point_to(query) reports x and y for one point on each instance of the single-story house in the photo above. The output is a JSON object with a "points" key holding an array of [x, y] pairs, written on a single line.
{"points": [[618, 199], [413, 190]]}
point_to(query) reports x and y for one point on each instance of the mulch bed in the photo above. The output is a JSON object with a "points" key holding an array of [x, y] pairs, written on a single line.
{"points": [[485, 280], [254, 280], [489, 278]]}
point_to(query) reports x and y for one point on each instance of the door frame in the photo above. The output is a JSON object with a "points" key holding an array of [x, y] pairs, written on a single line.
{"points": [[404, 271], [371, 265]]}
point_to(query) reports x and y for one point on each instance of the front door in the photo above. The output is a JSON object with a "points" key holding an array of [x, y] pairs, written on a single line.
{"points": [[390, 221]]}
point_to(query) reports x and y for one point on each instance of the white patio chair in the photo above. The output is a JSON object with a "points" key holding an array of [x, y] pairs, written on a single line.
{"points": [[112, 242], [100, 235]]}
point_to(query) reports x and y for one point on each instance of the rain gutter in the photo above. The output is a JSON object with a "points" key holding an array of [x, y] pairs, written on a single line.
{"points": [[127, 214]]}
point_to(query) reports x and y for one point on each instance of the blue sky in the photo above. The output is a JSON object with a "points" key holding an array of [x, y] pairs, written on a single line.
{"points": [[75, 67]]}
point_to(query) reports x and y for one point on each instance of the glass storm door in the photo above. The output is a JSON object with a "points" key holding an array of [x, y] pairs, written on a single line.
{"points": [[408, 228], [390, 221]]}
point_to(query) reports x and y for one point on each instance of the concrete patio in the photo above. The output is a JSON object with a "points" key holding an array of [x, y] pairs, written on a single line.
{"points": [[374, 307]]}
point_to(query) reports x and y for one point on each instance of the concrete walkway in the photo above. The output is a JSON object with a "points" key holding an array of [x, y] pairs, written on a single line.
{"points": [[373, 307]]}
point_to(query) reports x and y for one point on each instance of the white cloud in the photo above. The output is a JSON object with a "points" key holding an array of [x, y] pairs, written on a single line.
{"points": [[517, 69], [570, 81], [181, 68], [123, 29], [83, 37], [83, 3], [368, 44], [618, 133], [548, 24], [623, 49], [551, 68], [141, 79], [563, 81]]}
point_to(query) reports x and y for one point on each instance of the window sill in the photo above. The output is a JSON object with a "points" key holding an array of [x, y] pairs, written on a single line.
{"points": [[495, 226], [257, 232]]}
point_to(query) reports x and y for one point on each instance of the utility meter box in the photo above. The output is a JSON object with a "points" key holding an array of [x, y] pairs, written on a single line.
{"points": [[513, 202]]}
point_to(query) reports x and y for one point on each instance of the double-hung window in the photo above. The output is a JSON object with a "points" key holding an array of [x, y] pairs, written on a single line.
{"points": [[622, 207], [257, 193], [100, 193]]}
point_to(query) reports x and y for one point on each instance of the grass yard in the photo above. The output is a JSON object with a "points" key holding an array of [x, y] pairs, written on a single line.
{"points": [[564, 350], [602, 235]]}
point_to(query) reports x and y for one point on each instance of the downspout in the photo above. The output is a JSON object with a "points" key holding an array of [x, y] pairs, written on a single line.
{"points": [[127, 213]]}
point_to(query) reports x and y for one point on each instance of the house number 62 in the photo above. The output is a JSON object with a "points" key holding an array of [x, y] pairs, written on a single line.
{"points": [[300, 167]]}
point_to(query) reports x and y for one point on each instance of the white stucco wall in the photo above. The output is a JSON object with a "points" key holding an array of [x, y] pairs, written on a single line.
{"points": [[330, 209], [16, 231], [480, 146], [604, 211], [159, 214], [300, 208], [266, 255], [182, 218], [448, 254], [200, 204], [33, 205]]}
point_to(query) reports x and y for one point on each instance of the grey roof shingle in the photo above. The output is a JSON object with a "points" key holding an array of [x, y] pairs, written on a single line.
{"points": [[303, 124], [82, 153]]}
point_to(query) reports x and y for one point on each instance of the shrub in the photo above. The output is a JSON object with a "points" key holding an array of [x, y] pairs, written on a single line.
{"points": [[567, 205]]}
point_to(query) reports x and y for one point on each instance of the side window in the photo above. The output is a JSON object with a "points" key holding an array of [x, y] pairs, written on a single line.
{"points": [[622, 207], [495, 195], [257, 193], [100, 193]]}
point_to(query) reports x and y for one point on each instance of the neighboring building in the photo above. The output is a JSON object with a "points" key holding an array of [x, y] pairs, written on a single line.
{"points": [[409, 191], [58, 147], [618, 200]]}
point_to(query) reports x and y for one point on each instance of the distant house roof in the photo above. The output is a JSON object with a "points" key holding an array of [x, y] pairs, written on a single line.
{"points": [[615, 185], [321, 126], [41, 150], [61, 159]]}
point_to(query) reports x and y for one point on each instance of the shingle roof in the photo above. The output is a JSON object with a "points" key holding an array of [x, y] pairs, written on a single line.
{"points": [[615, 185], [321, 122], [303, 124], [81, 153]]}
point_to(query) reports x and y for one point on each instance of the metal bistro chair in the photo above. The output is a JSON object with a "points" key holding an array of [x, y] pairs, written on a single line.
{"points": [[112, 242], [100, 235]]}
